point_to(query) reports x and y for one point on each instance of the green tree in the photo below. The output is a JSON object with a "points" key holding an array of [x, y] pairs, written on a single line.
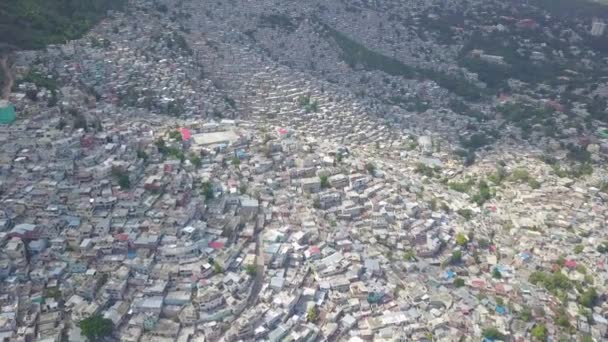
{"points": [[496, 273], [142, 155], [456, 257], [409, 255], [312, 314], [458, 282], [122, 177], [492, 334], [539, 332], [371, 168], [251, 270], [534, 184], [520, 175], [96, 327], [324, 181], [461, 239], [207, 190], [562, 319], [102, 280], [176, 135], [236, 161], [603, 247], [466, 213], [124, 181], [483, 194], [217, 268], [525, 314], [80, 122], [338, 158], [589, 298], [161, 145], [195, 160]]}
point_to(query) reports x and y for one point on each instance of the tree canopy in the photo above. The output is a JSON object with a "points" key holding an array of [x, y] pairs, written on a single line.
{"points": [[32, 24], [96, 327]]}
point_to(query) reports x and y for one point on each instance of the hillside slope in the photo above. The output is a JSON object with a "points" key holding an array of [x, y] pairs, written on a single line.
{"points": [[31, 24]]}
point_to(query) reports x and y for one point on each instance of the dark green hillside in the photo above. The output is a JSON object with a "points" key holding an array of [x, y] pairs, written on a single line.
{"points": [[31, 24]]}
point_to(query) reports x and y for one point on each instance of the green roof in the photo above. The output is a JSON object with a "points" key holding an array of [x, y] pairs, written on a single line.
{"points": [[7, 113]]}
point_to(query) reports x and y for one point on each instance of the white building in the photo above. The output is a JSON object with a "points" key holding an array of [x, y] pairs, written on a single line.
{"points": [[597, 27]]}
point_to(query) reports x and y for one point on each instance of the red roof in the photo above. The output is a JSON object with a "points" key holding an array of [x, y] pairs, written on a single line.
{"points": [[478, 283], [283, 131], [216, 244], [570, 263], [185, 134], [122, 237], [314, 250]]}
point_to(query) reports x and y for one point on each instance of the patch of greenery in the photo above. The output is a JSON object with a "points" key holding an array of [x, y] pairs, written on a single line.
{"points": [[603, 247], [574, 171], [142, 155], [178, 42], [96, 327], [456, 257], [520, 175], [33, 24], [170, 151], [527, 116], [122, 177], [207, 190], [195, 160], [498, 176], [555, 282], [492, 334], [324, 181], [461, 239], [429, 171], [277, 21], [525, 314], [308, 105], [484, 194], [570, 8], [354, 54], [464, 187], [251, 270], [496, 273], [476, 140], [458, 282], [466, 213], [589, 298], [370, 168], [540, 332], [311, 314], [462, 108], [40, 80], [175, 135], [409, 255]]}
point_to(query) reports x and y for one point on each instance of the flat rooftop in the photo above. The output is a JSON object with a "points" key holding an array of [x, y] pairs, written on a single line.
{"points": [[215, 138]]}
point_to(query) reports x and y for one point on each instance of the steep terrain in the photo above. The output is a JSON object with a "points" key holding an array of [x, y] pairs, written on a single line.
{"points": [[32, 24]]}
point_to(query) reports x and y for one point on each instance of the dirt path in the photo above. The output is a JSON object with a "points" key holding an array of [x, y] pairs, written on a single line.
{"points": [[8, 75]]}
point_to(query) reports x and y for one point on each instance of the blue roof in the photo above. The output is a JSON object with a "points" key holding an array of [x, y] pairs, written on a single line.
{"points": [[501, 310]]}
